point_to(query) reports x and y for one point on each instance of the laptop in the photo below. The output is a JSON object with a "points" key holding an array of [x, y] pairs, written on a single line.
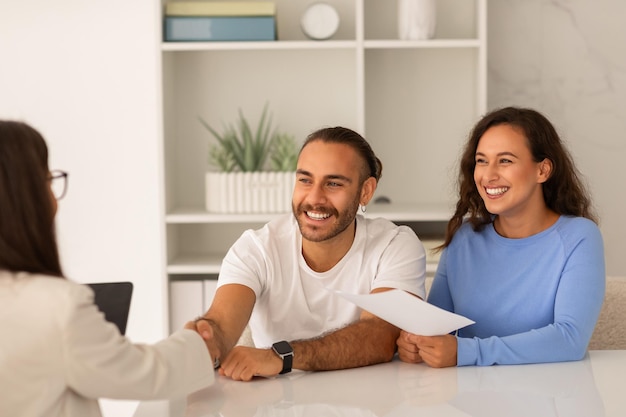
{"points": [[113, 299]]}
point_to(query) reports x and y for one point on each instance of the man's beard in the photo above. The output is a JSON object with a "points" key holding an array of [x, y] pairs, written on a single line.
{"points": [[342, 221]]}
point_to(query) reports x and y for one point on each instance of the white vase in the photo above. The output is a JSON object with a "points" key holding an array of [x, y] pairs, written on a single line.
{"points": [[249, 192], [416, 19]]}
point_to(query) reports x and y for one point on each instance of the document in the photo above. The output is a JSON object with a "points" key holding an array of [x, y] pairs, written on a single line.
{"points": [[408, 312]]}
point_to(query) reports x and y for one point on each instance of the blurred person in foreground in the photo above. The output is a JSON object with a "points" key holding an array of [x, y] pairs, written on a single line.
{"points": [[58, 354]]}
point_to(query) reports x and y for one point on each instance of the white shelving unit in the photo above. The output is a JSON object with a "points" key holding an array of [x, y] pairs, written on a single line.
{"points": [[415, 102]]}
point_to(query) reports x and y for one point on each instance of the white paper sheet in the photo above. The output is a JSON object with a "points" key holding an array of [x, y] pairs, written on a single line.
{"points": [[408, 312]]}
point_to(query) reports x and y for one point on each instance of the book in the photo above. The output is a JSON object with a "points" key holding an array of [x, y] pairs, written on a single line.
{"points": [[186, 302], [220, 8], [210, 286], [219, 28]]}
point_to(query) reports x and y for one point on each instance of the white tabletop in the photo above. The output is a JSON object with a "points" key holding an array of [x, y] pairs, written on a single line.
{"points": [[593, 387]]}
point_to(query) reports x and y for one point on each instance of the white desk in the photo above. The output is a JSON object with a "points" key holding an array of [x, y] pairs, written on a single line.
{"points": [[593, 387]]}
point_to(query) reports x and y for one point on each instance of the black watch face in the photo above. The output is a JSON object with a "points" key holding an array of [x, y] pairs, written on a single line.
{"points": [[282, 348]]}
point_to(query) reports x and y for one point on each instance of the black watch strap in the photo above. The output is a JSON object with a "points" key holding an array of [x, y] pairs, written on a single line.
{"points": [[287, 363], [284, 350]]}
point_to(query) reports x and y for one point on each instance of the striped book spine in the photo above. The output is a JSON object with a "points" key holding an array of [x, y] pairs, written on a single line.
{"points": [[220, 8]]}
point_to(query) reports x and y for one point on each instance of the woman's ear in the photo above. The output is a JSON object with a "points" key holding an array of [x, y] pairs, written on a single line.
{"points": [[367, 190], [545, 170]]}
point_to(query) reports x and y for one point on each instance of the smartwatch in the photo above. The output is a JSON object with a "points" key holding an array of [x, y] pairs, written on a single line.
{"points": [[284, 350]]}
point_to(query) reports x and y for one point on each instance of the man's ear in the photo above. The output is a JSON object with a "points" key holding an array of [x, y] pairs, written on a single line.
{"points": [[545, 170], [367, 190]]}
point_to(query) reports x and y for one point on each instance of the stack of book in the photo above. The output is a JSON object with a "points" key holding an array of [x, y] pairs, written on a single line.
{"points": [[189, 21]]}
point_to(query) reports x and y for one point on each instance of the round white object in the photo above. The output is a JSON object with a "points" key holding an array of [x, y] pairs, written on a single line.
{"points": [[320, 21]]}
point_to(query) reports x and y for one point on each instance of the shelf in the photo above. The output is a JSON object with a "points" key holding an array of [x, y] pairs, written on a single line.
{"points": [[186, 219], [432, 43], [210, 264], [195, 264], [193, 215], [410, 212], [182, 216], [262, 45], [299, 45], [393, 212]]}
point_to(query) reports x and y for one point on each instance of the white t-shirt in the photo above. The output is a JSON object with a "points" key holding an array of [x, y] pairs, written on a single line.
{"points": [[291, 300]]}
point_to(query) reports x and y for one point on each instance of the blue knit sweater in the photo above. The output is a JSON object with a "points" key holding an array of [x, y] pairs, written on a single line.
{"points": [[534, 300]]}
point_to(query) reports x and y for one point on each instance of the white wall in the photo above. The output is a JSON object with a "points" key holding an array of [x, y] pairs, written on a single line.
{"points": [[84, 73], [567, 58]]}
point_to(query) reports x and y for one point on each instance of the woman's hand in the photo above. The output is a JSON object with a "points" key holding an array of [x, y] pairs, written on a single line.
{"points": [[408, 351], [435, 351]]}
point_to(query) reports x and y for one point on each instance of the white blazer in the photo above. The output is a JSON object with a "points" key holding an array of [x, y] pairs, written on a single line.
{"points": [[58, 354]]}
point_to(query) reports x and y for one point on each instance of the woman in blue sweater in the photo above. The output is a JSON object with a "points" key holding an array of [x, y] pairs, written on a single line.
{"points": [[523, 256]]}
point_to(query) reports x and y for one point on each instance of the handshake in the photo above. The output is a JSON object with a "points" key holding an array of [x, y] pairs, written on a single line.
{"points": [[212, 336]]}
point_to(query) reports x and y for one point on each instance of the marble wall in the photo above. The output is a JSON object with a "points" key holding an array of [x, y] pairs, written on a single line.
{"points": [[567, 59]]}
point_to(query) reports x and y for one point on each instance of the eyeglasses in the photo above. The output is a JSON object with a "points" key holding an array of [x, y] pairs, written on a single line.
{"points": [[58, 183]]}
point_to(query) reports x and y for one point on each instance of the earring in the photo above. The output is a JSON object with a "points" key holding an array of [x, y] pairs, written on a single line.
{"points": [[363, 209]]}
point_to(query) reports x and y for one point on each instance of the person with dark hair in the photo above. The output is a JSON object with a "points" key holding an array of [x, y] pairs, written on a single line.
{"points": [[58, 354], [522, 257], [280, 278]]}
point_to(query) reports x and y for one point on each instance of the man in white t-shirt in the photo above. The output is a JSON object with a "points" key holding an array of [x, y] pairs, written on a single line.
{"points": [[278, 278]]}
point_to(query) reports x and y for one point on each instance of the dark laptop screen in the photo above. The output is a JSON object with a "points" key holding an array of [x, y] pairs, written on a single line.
{"points": [[113, 299]]}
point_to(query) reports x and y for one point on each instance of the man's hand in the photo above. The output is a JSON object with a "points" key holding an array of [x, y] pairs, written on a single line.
{"points": [[436, 351], [243, 363], [209, 331]]}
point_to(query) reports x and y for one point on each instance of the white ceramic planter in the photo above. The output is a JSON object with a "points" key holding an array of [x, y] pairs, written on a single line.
{"points": [[249, 192]]}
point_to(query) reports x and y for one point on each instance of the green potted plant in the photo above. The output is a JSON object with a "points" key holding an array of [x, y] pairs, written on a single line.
{"points": [[254, 167]]}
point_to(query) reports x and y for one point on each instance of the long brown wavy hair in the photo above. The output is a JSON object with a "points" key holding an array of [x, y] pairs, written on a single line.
{"points": [[564, 192], [27, 230]]}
